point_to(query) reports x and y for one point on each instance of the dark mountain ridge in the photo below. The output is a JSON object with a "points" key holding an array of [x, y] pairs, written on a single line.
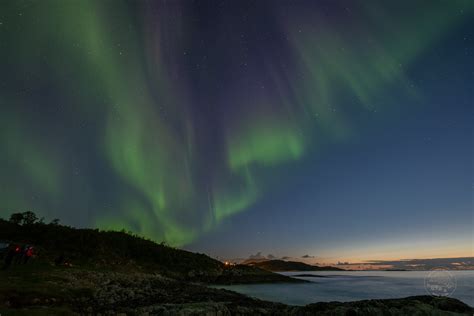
{"points": [[281, 265]]}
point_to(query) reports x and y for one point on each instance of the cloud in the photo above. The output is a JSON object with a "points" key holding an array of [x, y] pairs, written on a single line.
{"points": [[258, 255]]}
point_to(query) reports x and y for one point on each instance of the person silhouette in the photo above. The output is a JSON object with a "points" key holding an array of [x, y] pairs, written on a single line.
{"points": [[28, 254], [12, 252]]}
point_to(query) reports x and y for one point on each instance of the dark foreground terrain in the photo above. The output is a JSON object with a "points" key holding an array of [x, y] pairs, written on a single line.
{"points": [[44, 290], [112, 273]]}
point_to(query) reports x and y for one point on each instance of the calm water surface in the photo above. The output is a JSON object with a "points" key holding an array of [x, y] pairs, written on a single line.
{"points": [[354, 285]]}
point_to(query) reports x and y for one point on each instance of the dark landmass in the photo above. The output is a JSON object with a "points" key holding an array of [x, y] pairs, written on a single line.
{"points": [[120, 251], [281, 265], [309, 276], [114, 273], [413, 305], [243, 274], [76, 291]]}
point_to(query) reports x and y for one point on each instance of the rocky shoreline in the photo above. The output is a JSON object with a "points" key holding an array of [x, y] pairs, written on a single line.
{"points": [[88, 292]]}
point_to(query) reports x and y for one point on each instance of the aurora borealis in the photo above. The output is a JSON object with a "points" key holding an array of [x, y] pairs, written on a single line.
{"points": [[206, 122]]}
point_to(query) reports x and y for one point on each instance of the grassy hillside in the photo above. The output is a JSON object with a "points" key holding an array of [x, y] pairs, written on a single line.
{"points": [[120, 251], [107, 248]]}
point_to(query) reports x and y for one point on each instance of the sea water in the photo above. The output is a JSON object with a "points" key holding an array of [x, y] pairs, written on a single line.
{"points": [[347, 286]]}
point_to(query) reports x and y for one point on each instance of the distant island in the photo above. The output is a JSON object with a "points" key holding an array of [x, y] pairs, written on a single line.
{"points": [[282, 265], [86, 271]]}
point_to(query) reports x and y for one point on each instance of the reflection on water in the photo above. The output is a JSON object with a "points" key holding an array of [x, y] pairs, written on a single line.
{"points": [[354, 285]]}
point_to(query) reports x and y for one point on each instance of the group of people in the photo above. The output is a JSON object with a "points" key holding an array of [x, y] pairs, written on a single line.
{"points": [[17, 254]]}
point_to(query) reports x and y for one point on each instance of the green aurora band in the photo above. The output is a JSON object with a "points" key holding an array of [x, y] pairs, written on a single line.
{"points": [[116, 69]]}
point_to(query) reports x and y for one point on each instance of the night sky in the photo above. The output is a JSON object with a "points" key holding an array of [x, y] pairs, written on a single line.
{"points": [[339, 130]]}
